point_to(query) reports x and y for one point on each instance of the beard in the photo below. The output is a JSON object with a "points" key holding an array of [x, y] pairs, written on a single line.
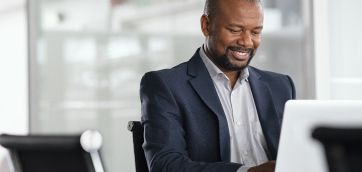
{"points": [[224, 61]]}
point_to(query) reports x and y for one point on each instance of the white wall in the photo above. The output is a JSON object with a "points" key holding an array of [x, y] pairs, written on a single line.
{"points": [[338, 49], [345, 49], [13, 71]]}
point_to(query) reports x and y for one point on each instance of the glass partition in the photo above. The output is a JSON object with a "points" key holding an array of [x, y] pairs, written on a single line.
{"points": [[88, 56]]}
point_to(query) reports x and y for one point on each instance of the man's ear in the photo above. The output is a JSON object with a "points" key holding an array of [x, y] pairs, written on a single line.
{"points": [[205, 25]]}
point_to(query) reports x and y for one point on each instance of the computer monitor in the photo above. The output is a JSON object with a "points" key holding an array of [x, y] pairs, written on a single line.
{"points": [[298, 151]]}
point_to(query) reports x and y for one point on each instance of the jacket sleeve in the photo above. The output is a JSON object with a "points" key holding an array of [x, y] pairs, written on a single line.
{"points": [[165, 146]]}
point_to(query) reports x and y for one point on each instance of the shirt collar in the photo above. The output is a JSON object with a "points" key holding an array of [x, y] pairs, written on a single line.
{"points": [[214, 70]]}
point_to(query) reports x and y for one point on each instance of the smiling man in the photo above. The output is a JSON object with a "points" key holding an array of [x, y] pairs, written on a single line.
{"points": [[215, 112]]}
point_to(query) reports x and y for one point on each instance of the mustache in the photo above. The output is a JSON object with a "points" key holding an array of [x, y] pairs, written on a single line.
{"points": [[240, 49]]}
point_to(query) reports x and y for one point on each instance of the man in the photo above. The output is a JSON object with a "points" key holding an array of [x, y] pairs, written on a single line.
{"points": [[214, 112]]}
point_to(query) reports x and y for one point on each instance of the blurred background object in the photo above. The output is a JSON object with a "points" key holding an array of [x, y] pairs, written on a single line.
{"points": [[55, 153], [342, 148]]}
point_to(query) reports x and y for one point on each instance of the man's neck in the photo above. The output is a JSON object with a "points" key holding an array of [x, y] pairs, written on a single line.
{"points": [[233, 77]]}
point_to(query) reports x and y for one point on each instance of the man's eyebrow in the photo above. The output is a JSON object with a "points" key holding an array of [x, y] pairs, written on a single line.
{"points": [[236, 25], [241, 26], [258, 27]]}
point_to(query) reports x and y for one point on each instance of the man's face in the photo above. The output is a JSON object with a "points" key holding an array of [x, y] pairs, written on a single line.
{"points": [[233, 35]]}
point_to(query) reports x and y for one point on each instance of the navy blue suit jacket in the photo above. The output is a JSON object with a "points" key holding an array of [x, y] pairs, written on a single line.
{"points": [[185, 125]]}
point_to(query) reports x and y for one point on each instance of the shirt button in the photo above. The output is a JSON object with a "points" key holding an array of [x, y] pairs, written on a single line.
{"points": [[238, 123], [232, 93], [245, 153]]}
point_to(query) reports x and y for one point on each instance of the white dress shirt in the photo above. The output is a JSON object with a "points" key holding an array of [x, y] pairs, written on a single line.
{"points": [[247, 142]]}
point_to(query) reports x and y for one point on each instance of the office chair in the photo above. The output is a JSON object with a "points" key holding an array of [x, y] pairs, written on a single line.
{"points": [[343, 148], [44, 153], [139, 155]]}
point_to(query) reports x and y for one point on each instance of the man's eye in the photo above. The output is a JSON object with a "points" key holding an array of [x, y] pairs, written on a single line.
{"points": [[235, 31], [255, 33]]}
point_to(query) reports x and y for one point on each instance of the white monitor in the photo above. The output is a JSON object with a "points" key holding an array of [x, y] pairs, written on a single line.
{"points": [[298, 151]]}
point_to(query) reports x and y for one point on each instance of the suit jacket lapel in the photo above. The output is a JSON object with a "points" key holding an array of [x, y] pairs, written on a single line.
{"points": [[203, 85], [266, 111]]}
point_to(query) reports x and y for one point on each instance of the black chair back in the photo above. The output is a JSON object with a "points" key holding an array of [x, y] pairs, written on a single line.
{"points": [[343, 148], [40, 153], [137, 132]]}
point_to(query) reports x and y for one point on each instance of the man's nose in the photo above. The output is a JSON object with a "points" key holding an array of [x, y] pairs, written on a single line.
{"points": [[245, 40]]}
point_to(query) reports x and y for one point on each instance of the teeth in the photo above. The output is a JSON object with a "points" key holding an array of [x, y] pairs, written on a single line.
{"points": [[242, 54]]}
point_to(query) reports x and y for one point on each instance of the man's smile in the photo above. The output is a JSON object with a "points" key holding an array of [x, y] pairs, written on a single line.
{"points": [[240, 55], [240, 52]]}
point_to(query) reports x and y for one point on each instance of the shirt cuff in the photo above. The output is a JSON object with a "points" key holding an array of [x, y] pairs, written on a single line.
{"points": [[243, 169]]}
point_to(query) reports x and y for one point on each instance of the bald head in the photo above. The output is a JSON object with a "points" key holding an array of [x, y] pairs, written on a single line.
{"points": [[211, 6]]}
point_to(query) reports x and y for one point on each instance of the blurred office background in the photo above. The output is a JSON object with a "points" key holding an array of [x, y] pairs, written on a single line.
{"points": [[72, 65]]}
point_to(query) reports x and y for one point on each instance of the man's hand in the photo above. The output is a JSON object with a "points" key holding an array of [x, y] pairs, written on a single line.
{"points": [[266, 167]]}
